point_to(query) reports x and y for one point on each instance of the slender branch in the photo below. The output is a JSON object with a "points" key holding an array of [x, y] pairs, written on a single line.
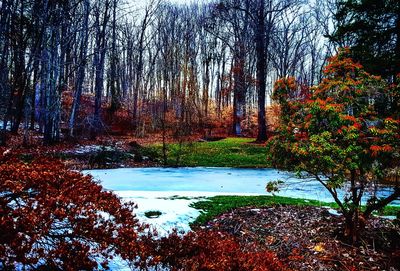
{"points": [[382, 203], [333, 193]]}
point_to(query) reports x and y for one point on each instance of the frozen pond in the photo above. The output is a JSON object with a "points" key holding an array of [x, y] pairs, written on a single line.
{"points": [[212, 180], [171, 190]]}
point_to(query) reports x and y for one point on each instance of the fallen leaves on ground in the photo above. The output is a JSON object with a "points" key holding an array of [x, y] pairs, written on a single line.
{"points": [[308, 238]]}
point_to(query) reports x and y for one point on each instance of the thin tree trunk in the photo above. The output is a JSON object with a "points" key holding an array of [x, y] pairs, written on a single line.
{"points": [[81, 70], [99, 66], [261, 76], [114, 85], [239, 100]]}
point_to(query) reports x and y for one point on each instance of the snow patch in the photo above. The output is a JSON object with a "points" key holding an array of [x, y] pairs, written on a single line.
{"points": [[174, 206], [8, 128], [85, 149]]}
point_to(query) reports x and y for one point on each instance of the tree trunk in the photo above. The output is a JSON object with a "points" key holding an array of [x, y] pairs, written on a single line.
{"points": [[261, 76], [20, 74], [114, 84], [5, 91], [239, 100], [354, 226], [139, 70], [81, 69], [99, 60]]}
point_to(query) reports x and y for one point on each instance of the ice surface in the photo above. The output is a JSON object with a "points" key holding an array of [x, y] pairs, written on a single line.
{"points": [[216, 180], [224, 180]]}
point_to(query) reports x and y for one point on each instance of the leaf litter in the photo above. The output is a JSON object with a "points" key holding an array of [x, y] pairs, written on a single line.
{"points": [[309, 238]]}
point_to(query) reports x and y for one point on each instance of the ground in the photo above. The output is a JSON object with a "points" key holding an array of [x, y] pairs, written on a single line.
{"points": [[217, 205], [307, 238]]}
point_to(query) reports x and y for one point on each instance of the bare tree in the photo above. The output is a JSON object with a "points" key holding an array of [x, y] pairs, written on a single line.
{"points": [[102, 16], [84, 37]]}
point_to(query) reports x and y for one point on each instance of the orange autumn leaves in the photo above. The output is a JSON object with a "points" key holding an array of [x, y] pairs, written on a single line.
{"points": [[342, 104], [340, 127], [54, 217], [214, 251]]}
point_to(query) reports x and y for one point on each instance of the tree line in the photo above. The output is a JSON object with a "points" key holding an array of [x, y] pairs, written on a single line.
{"points": [[161, 63]]}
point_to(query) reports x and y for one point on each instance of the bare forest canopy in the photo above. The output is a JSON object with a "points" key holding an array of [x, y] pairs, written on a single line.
{"points": [[85, 67]]}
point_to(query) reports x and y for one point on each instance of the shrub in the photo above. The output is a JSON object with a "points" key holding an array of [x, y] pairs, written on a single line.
{"points": [[58, 219], [211, 250]]}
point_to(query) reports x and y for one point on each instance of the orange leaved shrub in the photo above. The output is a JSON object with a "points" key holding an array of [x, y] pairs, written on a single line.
{"points": [[213, 251], [58, 219]]}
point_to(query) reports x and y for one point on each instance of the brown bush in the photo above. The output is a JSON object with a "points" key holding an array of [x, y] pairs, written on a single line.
{"points": [[60, 219], [210, 250]]}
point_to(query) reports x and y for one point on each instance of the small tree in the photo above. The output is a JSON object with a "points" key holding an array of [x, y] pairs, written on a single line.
{"points": [[345, 134]]}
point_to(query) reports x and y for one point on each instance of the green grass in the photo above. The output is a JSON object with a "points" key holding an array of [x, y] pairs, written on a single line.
{"points": [[229, 152], [217, 205], [391, 210]]}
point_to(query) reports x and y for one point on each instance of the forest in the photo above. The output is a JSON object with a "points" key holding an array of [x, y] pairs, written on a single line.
{"points": [[271, 93], [69, 67]]}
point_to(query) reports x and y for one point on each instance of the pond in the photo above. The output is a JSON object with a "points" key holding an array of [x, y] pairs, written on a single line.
{"points": [[171, 190], [213, 180]]}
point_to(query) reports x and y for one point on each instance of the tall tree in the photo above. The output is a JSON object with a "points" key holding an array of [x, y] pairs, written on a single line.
{"points": [[102, 16], [261, 43], [84, 36], [5, 17], [235, 14], [372, 29], [115, 89]]}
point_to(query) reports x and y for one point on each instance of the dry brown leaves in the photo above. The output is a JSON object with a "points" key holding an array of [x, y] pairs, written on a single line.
{"points": [[307, 238]]}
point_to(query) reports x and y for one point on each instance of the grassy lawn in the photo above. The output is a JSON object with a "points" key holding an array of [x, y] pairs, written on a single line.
{"points": [[217, 205], [229, 152]]}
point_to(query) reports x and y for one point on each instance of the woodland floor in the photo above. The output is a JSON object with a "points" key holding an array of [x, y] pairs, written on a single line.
{"points": [[307, 238]]}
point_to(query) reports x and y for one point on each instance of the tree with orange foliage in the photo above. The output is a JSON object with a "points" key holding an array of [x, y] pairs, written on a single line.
{"points": [[343, 135]]}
